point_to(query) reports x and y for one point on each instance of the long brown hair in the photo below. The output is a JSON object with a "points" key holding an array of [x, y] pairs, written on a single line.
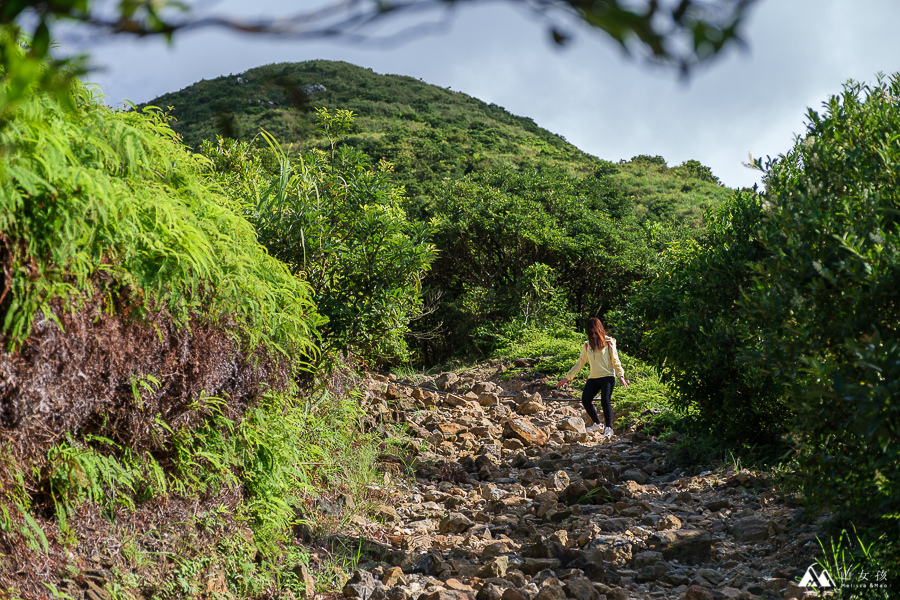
{"points": [[595, 326]]}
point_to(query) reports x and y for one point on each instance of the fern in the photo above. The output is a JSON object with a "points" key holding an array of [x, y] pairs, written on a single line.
{"points": [[97, 190]]}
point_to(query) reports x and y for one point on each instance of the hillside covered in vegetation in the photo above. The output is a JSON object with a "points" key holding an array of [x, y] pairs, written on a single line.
{"points": [[430, 134]]}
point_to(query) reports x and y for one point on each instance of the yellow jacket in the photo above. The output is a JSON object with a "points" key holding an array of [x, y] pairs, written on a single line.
{"points": [[604, 363]]}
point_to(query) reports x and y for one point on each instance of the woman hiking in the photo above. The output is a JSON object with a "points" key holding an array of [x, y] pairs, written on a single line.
{"points": [[600, 352]]}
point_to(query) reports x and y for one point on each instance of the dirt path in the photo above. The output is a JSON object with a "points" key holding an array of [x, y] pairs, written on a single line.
{"points": [[513, 500]]}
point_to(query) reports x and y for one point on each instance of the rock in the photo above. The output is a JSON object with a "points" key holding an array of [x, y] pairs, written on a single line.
{"points": [[559, 480], [684, 496], [580, 588], [617, 594], [717, 505], [654, 572], [632, 509], [606, 473], [451, 429], [489, 591], [495, 567], [495, 549], [575, 424], [309, 583], [481, 387], [402, 559], [95, 592], [750, 529], [648, 557], [513, 444], [524, 431], [714, 577], [488, 399], [695, 592], [392, 576], [794, 591], [361, 585], [216, 582], [551, 591], [615, 525], [456, 400], [445, 594], [611, 548], [632, 489], [530, 407], [456, 584], [455, 523], [575, 493], [513, 594], [686, 546], [532, 566], [446, 381], [668, 522], [636, 475]]}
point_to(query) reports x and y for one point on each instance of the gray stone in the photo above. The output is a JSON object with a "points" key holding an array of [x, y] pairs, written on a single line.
{"points": [[361, 585], [637, 476], [455, 523], [668, 522], [551, 592], [686, 546], [580, 588], [750, 529], [647, 557], [532, 566], [558, 480]]}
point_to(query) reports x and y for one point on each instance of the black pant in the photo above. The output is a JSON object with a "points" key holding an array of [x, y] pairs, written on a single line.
{"points": [[605, 386]]}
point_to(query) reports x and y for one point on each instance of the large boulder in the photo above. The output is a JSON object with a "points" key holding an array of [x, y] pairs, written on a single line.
{"points": [[524, 431]]}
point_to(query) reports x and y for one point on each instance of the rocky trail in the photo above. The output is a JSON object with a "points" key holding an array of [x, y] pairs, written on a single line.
{"points": [[514, 500]]}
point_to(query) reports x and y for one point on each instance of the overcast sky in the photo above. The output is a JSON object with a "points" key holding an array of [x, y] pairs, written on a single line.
{"points": [[800, 52]]}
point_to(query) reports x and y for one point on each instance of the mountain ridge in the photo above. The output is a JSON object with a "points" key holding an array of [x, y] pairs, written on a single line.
{"points": [[429, 133]]}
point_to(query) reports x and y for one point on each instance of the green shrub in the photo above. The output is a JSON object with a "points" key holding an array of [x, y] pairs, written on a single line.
{"points": [[825, 301], [687, 322], [336, 221]]}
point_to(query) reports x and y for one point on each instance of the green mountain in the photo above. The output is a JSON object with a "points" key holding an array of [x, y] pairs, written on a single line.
{"points": [[429, 133]]}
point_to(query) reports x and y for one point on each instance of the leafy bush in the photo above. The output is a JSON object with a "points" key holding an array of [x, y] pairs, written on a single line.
{"points": [[782, 319], [825, 300], [688, 323], [337, 222]]}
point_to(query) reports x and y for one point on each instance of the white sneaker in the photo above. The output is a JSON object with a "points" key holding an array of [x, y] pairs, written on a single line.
{"points": [[593, 427], [608, 431]]}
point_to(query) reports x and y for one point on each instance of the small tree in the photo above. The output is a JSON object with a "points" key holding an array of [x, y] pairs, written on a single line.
{"points": [[337, 222]]}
